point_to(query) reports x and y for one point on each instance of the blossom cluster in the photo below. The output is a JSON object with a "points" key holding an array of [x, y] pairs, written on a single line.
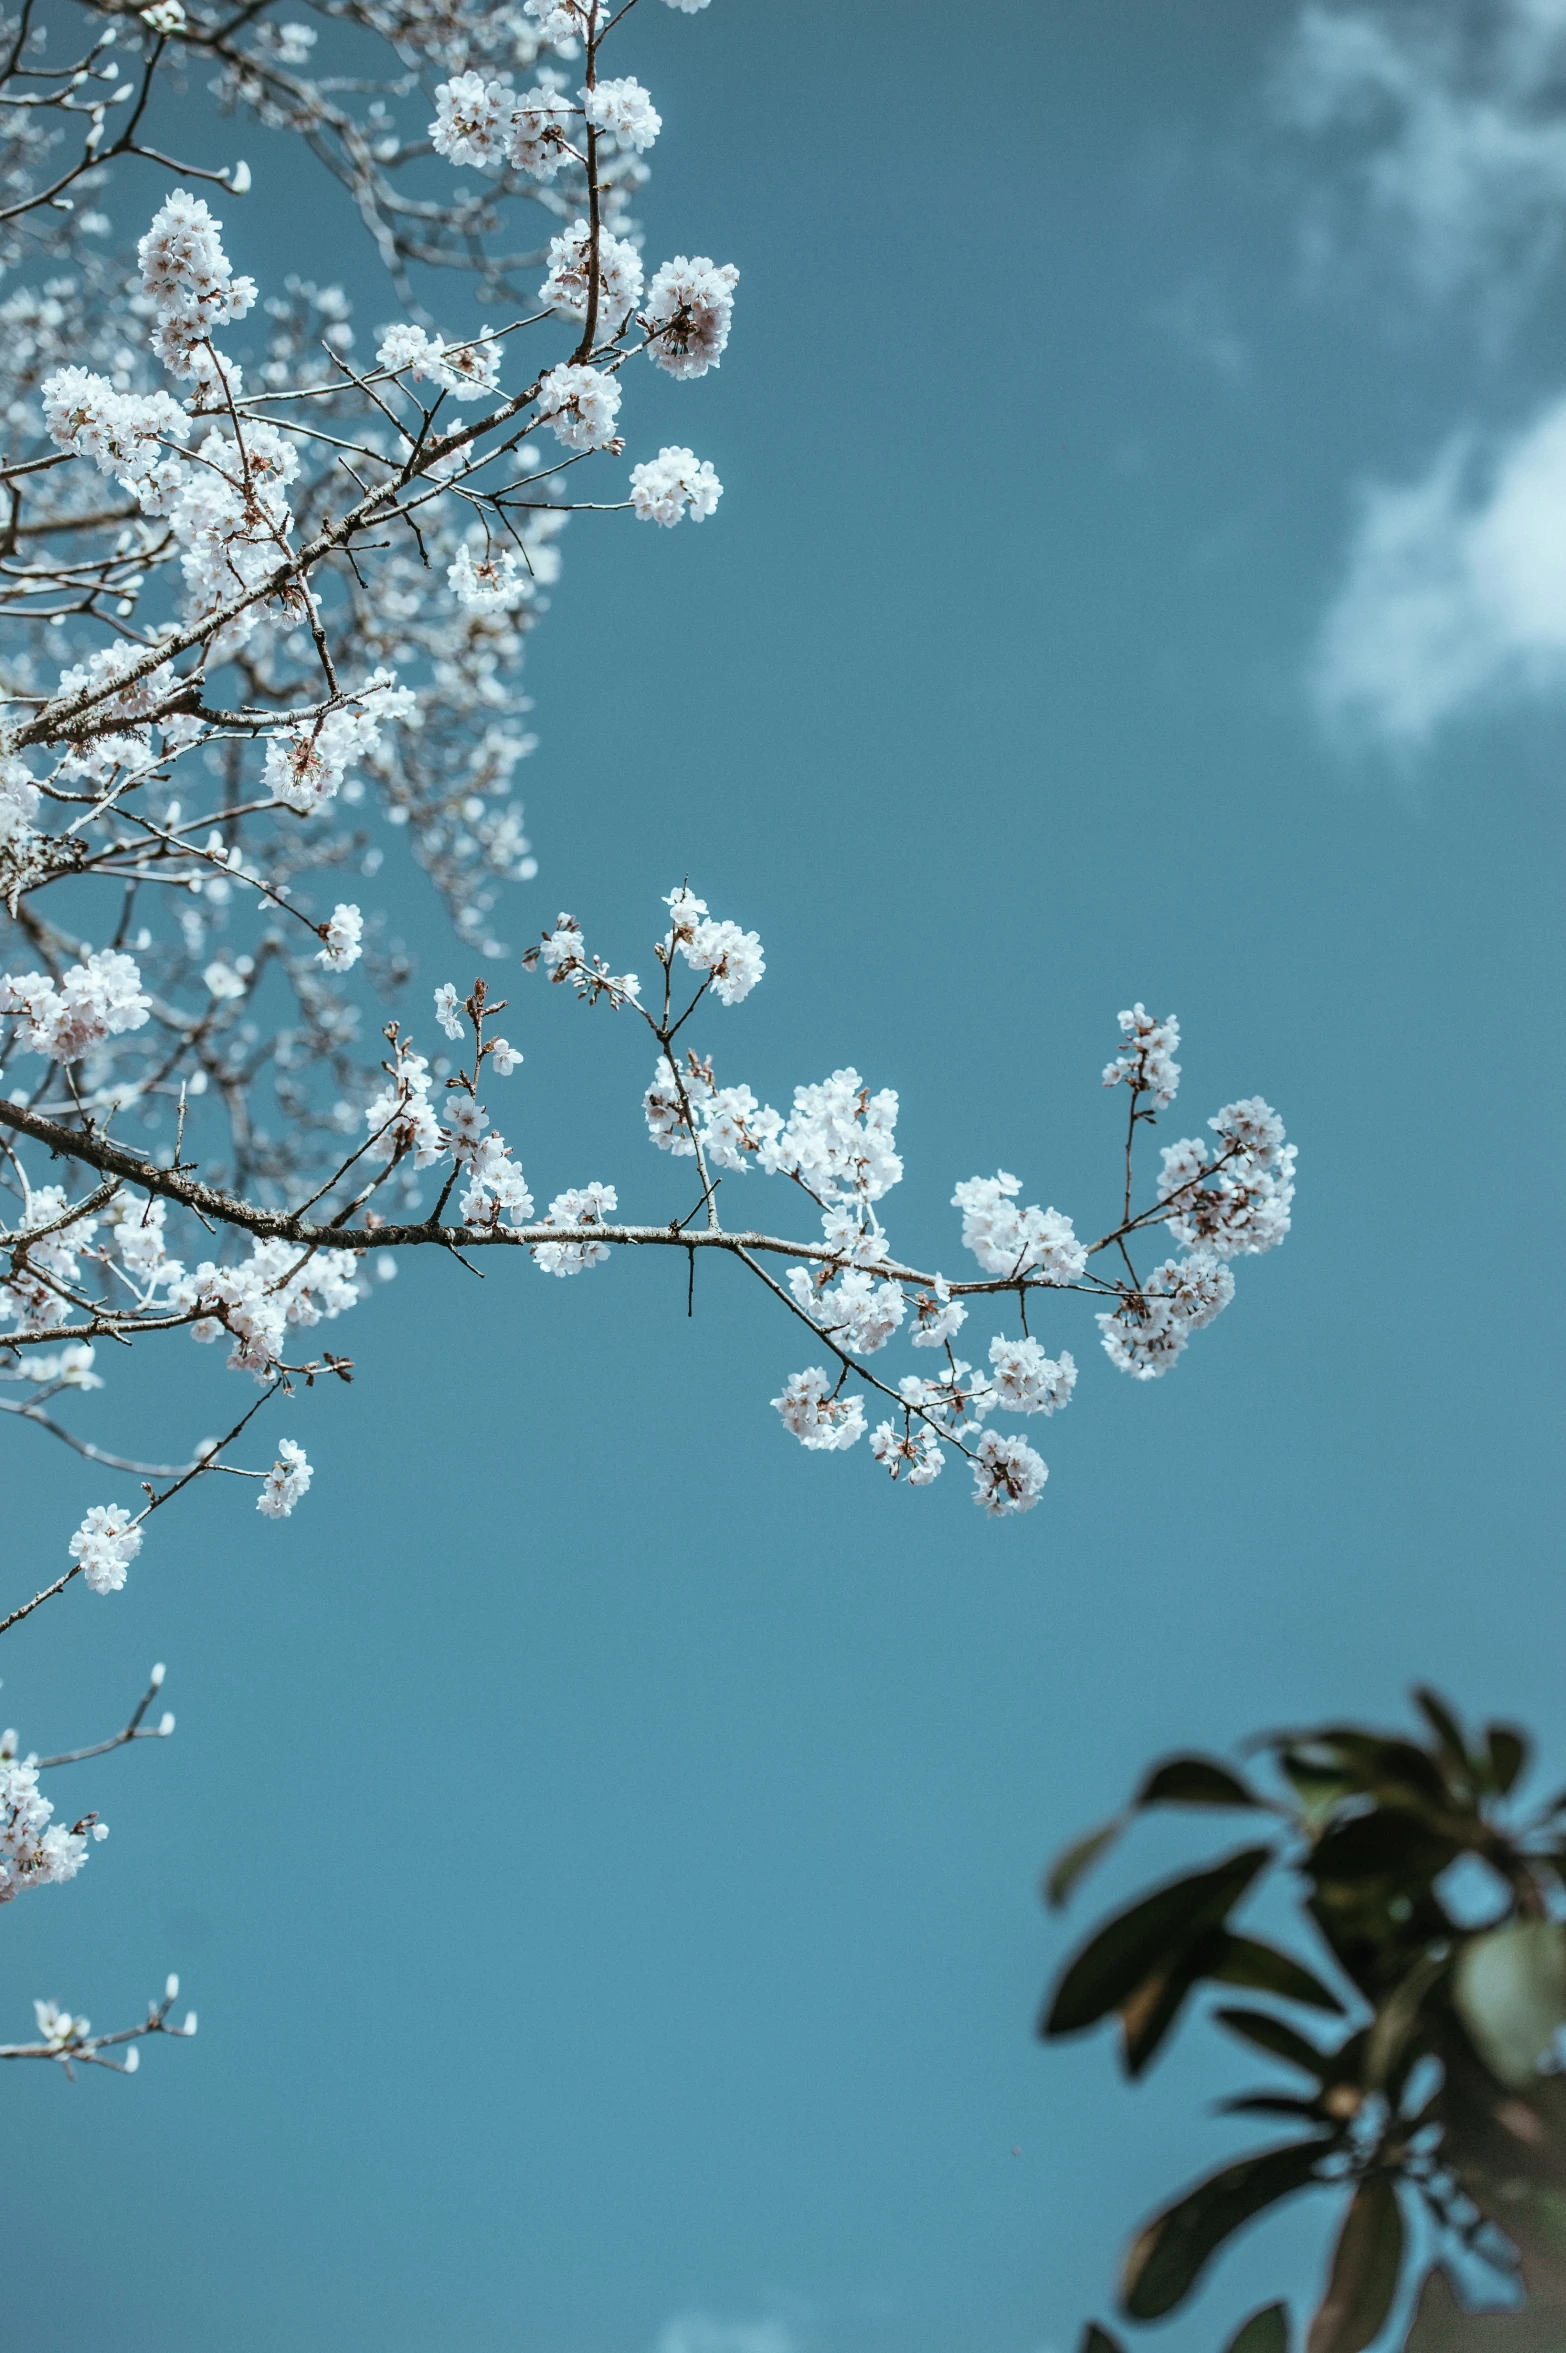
{"points": [[100, 998], [35, 1850]]}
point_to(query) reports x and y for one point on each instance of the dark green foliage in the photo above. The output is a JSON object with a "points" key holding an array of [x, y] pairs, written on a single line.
{"points": [[1365, 2266], [1423, 2086], [1264, 2332], [1167, 2257]]}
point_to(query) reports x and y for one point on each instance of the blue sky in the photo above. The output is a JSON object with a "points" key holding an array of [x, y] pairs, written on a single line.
{"points": [[601, 1839]]}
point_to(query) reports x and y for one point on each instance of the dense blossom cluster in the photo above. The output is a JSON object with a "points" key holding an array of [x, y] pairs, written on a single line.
{"points": [[35, 1850], [104, 1546], [94, 1000]]}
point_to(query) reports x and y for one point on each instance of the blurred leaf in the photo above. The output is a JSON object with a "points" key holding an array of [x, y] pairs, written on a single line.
{"points": [[1077, 1859], [1448, 1731], [1099, 2340], [1392, 1843], [1509, 1754], [1397, 2017], [1365, 2267], [1193, 1781], [1389, 1767], [1510, 1991], [1265, 2104], [1151, 1936], [1265, 2332], [1272, 2035], [1261, 1968], [1147, 2014], [1166, 2259]]}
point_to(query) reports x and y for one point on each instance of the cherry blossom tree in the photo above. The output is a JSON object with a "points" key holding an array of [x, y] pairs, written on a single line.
{"points": [[263, 576]]}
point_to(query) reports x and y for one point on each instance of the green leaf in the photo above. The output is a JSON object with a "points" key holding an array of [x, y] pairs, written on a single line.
{"points": [[1389, 1768], [1509, 1753], [1193, 1781], [1151, 1937], [1449, 1733], [1264, 2332], [1272, 2035], [1099, 2340], [1388, 1844], [1078, 1859], [1147, 2015], [1397, 2017], [1365, 2267], [1261, 1968], [1167, 2257], [1510, 1991]]}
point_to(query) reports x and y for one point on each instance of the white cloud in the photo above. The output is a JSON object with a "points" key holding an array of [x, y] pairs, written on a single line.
{"points": [[1453, 120], [698, 2332], [1455, 591]]}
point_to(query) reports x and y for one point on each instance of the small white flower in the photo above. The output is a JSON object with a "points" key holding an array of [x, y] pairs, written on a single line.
{"points": [[223, 981], [448, 1010], [57, 2026], [343, 936], [105, 1544], [285, 1482]]}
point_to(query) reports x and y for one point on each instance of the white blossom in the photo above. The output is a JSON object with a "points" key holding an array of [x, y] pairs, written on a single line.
{"points": [[57, 2027], [824, 1423], [487, 583], [690, 306], [539, 137], [105, 1544], [97, 999], [496, 1189], [937, 1315], [583, 1206], [1028, 1381], [1010, 1241], [123, 433], [672, 485], [285, 1482], [186, 276], [839, 1140], [581, 405], [307, 761], [344, 937], [256, 1301], [18, 802], [1007, 1475], [449, 1010], [956, 1400], [623, 107], [566, 287], [856, 1311], [1148, 1330], [222, 981], [1236, 1202], [469, 371], [402, 1118], [913, 1455], [503, 1056], [35, 1850], [473, 120], [1146, 1061]]}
